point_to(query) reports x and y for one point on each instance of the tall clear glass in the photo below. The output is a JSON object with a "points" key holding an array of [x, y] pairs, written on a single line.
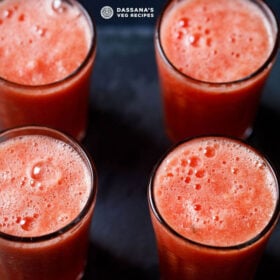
{"points": [[214, 203], [46, 79], [48, 189], [208, 83]]}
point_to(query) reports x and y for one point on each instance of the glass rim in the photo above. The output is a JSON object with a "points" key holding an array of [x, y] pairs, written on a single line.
{"points": [[242, 245], [91, 53], [71, 141], [265, 9]]}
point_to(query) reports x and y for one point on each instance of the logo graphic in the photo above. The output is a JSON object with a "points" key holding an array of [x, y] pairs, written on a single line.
{"points": [[106, 12]]}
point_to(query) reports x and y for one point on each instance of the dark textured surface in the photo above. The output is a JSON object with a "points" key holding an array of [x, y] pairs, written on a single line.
{"points": [[126, 138]]}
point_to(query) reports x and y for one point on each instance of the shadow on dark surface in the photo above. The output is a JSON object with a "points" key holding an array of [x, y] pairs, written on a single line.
{"points": [[113, 140], [102, 265], [122, 143], [266, 139], [266, 136], [124, 153], [268, 268]]}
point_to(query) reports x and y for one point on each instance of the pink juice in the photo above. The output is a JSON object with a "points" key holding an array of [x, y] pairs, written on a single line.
{"points": [[46, 204], [47, 50], [213, 59], [214, 205]]}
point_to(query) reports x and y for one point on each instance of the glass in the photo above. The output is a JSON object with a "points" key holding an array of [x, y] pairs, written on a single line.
{"points": [[186, 249], [196, 106], [61, 104], [58, 254]]}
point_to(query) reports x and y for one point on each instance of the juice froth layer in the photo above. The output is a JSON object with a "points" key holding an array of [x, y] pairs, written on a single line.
{"points": [[41, 41], [216, 40], [215, 191], [44, 185]]}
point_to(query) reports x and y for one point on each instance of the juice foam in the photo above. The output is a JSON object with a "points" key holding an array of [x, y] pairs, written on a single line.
{"points": [[216, 40], [41, 41], [215, 192], [44, 185]]}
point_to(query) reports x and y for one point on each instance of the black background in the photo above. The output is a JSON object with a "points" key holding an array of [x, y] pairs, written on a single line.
{"points": [[126, 138]]}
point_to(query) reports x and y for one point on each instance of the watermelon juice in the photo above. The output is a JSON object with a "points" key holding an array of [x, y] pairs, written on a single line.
{"points": [[48, 190], [47, 52], [213, 58], [214, 203]]}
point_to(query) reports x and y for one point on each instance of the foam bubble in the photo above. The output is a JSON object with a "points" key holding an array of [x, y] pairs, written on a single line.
{"points": [[194, 161], [209, 42], [21, 17], [40, 31], [200, 173], [8, 13], [184, 22], [187, 180], [58, 6], [193, 39], [44, 174], [197, 207], [179, 35], [209, 151], [234, 170], [63, 218], [27, 223]]}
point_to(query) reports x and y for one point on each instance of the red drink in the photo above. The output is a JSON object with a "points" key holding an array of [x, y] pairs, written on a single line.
{"points": [[47, 51], [213, 59], [214, 203], [48, 190]]}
